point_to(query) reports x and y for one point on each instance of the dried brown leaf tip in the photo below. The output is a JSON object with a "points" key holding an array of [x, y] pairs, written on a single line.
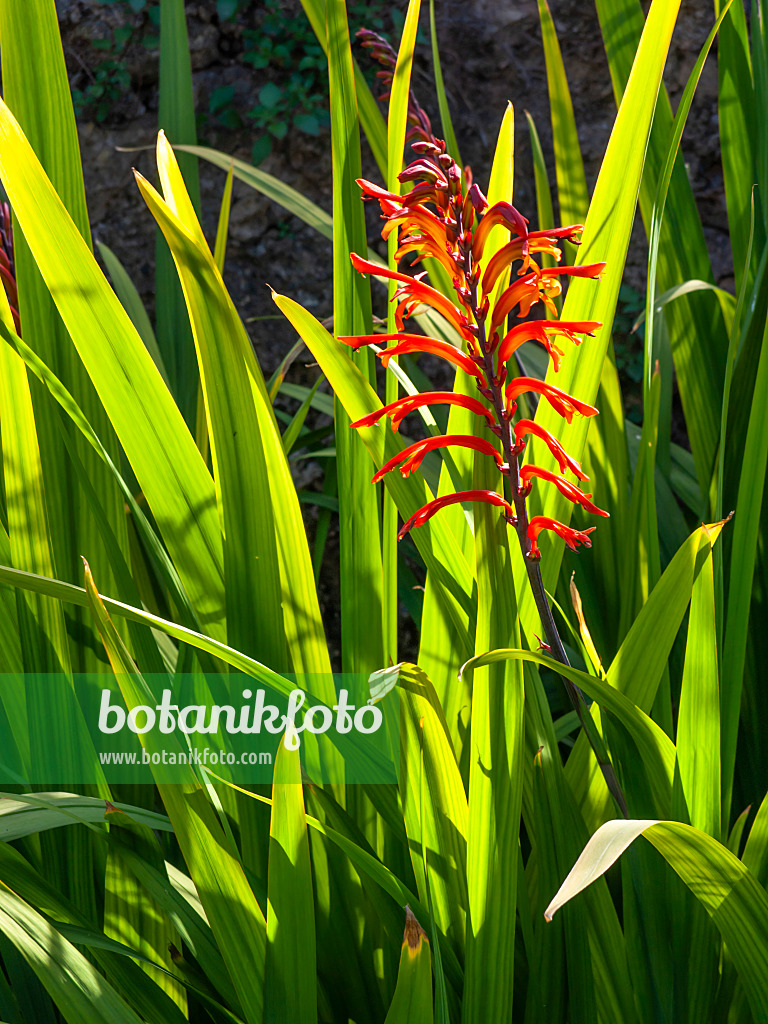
{"points": [[414, 933]]}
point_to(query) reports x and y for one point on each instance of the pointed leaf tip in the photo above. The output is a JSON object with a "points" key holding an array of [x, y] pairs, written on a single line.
{"points": [[414, 933]]}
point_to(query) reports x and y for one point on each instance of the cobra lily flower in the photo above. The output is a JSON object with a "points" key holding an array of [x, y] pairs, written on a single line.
{"points": [[571, 537], [566, 488], [563, 403], [399, 409], [428, 510], [446, 217], [413, 294], [410, 458], [415, 343]]}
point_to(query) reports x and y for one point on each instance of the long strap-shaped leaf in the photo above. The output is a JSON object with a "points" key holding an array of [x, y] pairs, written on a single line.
{"points": [[301, 625], [606, 238], [290, 994], [697, 334], [362, 582], [731, 895], [232, 910], [240, 469], [74, 984], [176, 116], [370, 116], [36, 87], [167, 464]]}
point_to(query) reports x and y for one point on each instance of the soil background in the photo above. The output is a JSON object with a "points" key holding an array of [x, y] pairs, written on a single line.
{"points": [[491, 53]]}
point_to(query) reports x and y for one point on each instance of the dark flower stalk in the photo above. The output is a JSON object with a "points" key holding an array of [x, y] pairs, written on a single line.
{"points": [[446, 216]]}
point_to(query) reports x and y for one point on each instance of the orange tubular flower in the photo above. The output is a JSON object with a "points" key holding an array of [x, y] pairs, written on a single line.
{"points": [[410, 458], [414, 293], [560, 401], [566, 488], [399, 410], [543, 331], [525, 292], [571, 537], [415, 343], [428, 510], [564, 460]]}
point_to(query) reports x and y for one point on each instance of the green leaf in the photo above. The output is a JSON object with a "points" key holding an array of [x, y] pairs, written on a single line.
{"points": [[446, 124], [270, 95], [698, 722], [290, 994], [572, 193], [606, 238], [745, 545], [437, 824], [696, 331], [176, 117], [80, 992], [238, 451], [235, 917], [169, 468], [730, 894], [362, 608], [412, 1001], [370, 117], [129, 296]]}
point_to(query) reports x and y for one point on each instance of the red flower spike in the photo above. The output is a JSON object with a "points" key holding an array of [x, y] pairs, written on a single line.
{"points": [[503, 214], [428, 510], [564, 460], [566, 488], [410, 458], [571, 537], [415, 343], [543, 331], [399, 410], [560, 401]]}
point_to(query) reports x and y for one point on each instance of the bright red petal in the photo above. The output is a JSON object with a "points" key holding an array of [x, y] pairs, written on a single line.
{"points": [[564, 460], [571, 537], [413, 455], [566, 488], [399, 410], [428, 510], [560, 400]]}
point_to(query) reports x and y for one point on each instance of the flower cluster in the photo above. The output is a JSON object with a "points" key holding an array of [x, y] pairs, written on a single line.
{"points": [[445, 216]]}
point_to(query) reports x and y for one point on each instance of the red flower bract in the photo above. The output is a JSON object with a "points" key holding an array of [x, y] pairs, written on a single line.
{"points": [[566, 488], [410, 458], [562, 402], [571, 537], [399, 409], [564, 460], [428, 510]]}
